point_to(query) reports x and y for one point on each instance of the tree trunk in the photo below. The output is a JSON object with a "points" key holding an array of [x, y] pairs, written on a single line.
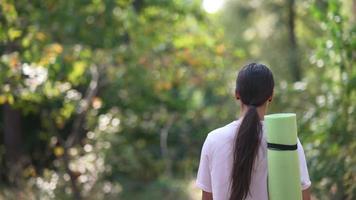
{"points": [[354, 10], [164, 145], [12, 141], [294, 59], [72, 175], [137, 5]]}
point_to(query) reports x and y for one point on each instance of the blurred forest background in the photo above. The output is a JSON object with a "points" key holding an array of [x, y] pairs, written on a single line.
{"points": [[112, 99]]}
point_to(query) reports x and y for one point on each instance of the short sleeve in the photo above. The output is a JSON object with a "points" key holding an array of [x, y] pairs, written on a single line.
{"points": [[204, 178], [304, 175]]}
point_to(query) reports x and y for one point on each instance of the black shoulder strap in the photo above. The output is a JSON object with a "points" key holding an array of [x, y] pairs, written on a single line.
{"points": [[281, 147]]}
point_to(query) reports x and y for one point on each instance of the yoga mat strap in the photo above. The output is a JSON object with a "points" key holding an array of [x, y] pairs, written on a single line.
{"points": [[281, 147]]}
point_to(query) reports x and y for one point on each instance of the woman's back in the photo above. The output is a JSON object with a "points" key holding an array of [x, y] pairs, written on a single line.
{"points": [[215, 167]]}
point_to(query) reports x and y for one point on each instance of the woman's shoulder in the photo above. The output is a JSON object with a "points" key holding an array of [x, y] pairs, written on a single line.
{"points": [[222, 133]]}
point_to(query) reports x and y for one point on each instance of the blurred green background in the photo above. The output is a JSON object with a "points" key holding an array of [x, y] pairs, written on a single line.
{"points": [[112, 99]]}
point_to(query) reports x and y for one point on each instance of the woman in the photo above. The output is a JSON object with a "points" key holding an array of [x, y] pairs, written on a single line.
{"points": [[233, 163]]}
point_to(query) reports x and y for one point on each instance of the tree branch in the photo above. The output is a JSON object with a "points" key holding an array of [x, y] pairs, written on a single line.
{"points": [[83, 108]]}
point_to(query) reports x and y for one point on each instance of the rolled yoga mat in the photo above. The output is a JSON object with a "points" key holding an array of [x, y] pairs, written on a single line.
{"points": [[283, 163]]}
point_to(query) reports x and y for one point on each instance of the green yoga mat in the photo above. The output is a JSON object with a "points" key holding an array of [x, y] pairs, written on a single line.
{"points": [[282, 155]]}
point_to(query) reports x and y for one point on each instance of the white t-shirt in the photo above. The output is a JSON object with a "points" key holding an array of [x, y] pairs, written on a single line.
{"points": [[214, 174]]}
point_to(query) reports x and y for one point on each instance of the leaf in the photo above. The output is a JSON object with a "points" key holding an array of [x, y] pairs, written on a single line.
{"points": [[58, 151], [2, 99], [10, 99], [77, 71], [351, 85], [14, 33]]}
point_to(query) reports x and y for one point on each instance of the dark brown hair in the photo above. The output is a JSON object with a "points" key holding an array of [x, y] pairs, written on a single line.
{"points": [[254, 85]]}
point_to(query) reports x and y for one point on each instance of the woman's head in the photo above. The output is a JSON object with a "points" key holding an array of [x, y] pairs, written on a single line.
{"points": [[254, 86]]}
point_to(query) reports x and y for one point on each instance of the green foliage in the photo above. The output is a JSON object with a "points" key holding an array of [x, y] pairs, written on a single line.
{"points": [[332, 161], [166, 78], [162, 71]]}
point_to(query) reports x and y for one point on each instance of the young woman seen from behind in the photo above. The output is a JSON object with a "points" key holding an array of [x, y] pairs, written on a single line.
{"points": [[233, 164]]}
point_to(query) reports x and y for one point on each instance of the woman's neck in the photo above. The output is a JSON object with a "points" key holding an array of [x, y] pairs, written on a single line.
{"points": [[261, 110]]}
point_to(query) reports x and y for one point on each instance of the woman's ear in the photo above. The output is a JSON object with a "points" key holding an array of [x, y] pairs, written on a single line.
{"points": [[237, 96], [271, 97]]}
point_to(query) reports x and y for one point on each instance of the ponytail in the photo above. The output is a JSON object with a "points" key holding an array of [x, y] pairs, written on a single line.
{"points": [[247, 142], [254, 86]]}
